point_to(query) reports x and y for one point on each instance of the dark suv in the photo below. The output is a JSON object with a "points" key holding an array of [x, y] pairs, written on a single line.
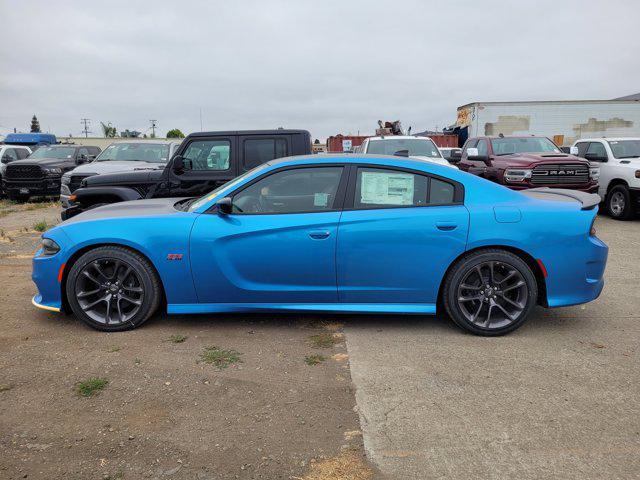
{"points": [[203, 162], [527, 162], [39, 174]]}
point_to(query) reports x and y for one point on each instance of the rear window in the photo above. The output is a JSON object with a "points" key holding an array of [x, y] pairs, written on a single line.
{"points": [[415, 147]]}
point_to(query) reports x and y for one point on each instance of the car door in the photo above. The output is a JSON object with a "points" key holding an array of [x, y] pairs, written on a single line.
{"points": [[258, 149], [211, 161], [279, 243], [399, 232]]}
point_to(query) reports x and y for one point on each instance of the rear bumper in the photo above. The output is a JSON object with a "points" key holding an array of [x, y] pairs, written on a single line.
{"points": [[593, 188]]}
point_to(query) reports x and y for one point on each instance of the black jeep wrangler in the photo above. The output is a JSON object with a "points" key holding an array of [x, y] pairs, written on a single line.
{"points": [[203, 162]]}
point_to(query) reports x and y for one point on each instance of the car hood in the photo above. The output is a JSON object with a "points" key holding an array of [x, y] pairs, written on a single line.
{"points": [[113, 166], [524, 159], [439, 161], [135, 208], [43, 162]]}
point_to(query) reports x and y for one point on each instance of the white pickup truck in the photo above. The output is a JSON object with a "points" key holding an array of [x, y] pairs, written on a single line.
{"points": [[619, 182], [421, 148]]}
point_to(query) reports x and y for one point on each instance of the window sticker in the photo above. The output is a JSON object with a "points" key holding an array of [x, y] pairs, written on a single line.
{"points": [[384, 188], [320, 199]]}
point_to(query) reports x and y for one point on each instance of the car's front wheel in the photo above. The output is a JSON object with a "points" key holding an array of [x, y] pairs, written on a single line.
{"points": [[490, 292], [619, 203], [113, 288]]}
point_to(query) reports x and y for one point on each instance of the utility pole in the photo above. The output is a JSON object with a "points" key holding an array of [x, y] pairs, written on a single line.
{"points": [[87, 123], [153, 128]]}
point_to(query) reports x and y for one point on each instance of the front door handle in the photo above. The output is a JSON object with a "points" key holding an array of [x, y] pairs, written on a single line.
{"points": [[446, 226], [319, 234]]}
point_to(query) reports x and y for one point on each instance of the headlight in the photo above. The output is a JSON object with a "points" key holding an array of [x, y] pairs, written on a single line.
{"points": [[516, 174], [66, 179], [53, 171], [594, 173], [49, 247]]}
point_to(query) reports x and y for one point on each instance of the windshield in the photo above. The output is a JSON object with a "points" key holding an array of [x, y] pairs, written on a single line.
{"points": [[507, 146], [135, 152], [227, 186], [625, 148], [416, 146], [53, 152]]}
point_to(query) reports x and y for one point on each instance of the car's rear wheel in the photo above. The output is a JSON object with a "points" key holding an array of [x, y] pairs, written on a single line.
{"points": [[113, 288], [619, 203], [490, 292]]}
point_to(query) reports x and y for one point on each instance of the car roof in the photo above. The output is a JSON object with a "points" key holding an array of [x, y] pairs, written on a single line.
{"points": [[401, 137], [509, 136], [363, 158], [614, 139], [146, 142], [249, 132]]}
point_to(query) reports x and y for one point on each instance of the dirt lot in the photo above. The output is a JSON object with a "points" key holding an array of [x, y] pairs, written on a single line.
{"points": [[164, 411]]}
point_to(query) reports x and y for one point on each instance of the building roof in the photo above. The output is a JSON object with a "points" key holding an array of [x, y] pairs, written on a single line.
{"points": [[635, 96]]}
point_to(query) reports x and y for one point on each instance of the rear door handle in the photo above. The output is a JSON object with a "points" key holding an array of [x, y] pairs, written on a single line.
{"points": [[319, 234], [446, 226]]}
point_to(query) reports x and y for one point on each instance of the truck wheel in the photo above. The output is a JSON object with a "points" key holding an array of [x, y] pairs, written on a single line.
{"points": [[113, 289], [18, 198], [490, 292], [619, 203]]}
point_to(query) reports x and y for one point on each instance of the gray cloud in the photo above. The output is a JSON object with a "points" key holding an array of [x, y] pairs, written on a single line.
{"points": [[327, 66]]}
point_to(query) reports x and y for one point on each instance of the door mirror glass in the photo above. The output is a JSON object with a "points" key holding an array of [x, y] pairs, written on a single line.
{"points": [[472, 153], [181, 164], [224, 206], [82, 158], [573, 151]]}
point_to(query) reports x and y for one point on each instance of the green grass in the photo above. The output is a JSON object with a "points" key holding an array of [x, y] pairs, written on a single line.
{"points": [[177, 338], [314, 359], [91, 386], [322, 340], [114, 349], [4, 387], [40, 226], [219, 357]]}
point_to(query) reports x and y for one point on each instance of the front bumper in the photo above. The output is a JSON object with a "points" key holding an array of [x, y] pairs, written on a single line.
{"points": [[47, 275], [46, 187]]}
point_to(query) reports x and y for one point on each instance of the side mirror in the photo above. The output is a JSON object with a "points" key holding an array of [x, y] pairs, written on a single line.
{"points": [[82, 158], [181, 164], [224, 206], [401, 153], [472, 154], [573, 151], [6, 159], [455, 156]]}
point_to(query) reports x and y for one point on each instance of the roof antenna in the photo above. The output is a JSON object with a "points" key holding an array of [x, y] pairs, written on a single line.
{"points": [[501, 135], [409, 131]]}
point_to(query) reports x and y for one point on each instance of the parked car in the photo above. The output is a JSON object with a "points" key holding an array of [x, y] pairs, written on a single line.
{"points": [[450, 153], [8, 154], [619, 182], [31, 140], [120, 157], [520, 162], [346, 233], [39, 174], [204, 161], [422, 148]]}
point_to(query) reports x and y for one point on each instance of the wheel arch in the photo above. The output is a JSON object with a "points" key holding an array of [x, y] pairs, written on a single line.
{"points": [[81, 251], [524, 256], [614, 182]]}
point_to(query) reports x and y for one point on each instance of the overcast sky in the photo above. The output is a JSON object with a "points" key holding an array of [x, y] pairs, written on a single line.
{"points": [[326, 66]]}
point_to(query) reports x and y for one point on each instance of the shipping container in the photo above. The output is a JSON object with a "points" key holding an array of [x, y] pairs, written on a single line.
{"points": [[444, 140], [344, 143], [561, 121]]}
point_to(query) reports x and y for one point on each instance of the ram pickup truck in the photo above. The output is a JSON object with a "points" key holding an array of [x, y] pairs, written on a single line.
{"points": [[202, 162], [520, 162], [619, 161]]}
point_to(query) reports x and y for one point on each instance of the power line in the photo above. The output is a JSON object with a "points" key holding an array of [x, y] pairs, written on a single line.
{"points": [[87, 123], [153, 128]]}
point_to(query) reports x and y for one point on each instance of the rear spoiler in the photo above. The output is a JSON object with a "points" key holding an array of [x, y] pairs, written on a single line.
{"points": [[588, 200]]}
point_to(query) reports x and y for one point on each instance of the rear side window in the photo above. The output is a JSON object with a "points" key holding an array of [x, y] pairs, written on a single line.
{"points": [[260, 150], [441, 192]]}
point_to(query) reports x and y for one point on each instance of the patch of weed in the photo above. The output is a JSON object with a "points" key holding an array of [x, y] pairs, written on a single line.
{"points": [[4, 387], [219, 357], [91, 386], [114, 349], [322, 340], [177, 338], [314, 359], [40, 226]]}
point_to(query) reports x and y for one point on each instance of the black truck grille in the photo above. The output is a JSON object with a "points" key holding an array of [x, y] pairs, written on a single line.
{"points": [[74, 184], [552, 174], [24, 172]]}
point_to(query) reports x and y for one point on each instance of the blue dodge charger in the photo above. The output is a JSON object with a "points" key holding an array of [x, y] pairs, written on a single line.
{"points": [[353, 233]]}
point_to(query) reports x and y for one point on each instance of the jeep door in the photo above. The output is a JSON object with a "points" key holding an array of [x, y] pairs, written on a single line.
{"points": [[258, 149]]}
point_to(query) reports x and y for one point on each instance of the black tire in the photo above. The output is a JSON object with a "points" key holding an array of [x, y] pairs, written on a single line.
{"points": [[618, 203], [510, 301], [118, 275]]}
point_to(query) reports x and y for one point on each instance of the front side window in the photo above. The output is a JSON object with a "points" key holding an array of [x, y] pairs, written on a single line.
{"points": [[483, 148], [135, 152], [296, 190], [511, 145], [208, 155], [415, 146], [54, 152], [582, 148], [597, 150], [9, 155], [260, 150], [625, 148]]}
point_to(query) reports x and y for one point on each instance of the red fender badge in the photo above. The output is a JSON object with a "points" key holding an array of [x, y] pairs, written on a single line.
{"points": [[174, 256]]}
